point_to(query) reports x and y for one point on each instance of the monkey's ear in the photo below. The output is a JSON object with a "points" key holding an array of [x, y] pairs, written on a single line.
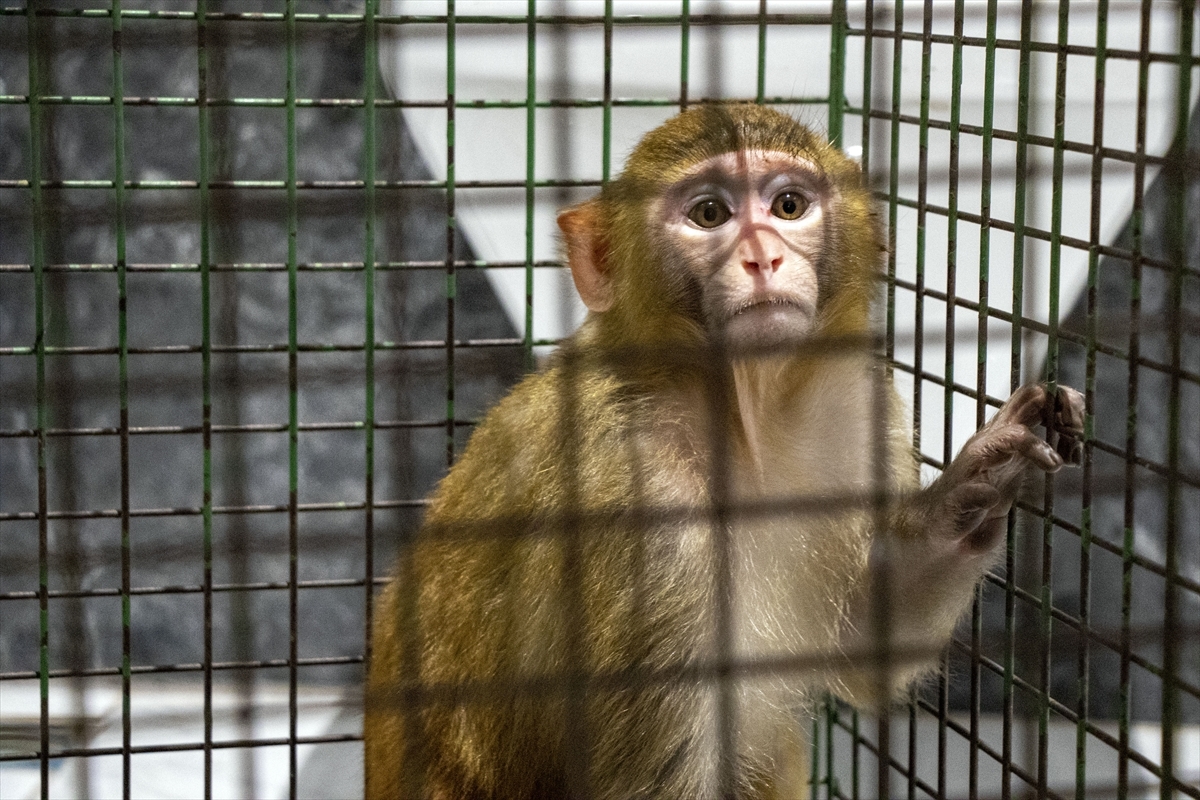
{"points": [[587, 255]]}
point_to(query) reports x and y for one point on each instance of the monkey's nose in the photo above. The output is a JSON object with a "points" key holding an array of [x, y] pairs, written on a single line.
{"points": [[761, 252], [765, 264]]}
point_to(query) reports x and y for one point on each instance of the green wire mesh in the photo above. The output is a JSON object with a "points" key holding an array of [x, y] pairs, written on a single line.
{"points": [[268, 566]]}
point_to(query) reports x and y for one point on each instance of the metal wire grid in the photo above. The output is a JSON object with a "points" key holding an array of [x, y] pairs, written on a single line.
{"points": [[1037, 685], [873, 120]]}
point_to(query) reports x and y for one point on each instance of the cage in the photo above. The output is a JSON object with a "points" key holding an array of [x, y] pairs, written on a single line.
{"points": [[265, 263]]}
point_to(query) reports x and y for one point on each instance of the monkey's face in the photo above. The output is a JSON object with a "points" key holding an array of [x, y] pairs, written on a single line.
{"points": [[746, 229]]}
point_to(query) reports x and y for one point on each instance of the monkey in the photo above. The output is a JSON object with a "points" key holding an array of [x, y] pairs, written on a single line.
{"points": [[702, 513]]}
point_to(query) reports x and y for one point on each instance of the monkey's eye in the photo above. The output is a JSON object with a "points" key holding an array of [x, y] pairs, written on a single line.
{"points": [[789, 205], [709, 213]]}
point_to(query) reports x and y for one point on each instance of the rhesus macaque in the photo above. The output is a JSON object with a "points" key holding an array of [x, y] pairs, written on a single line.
{"points": [[702, 513]]}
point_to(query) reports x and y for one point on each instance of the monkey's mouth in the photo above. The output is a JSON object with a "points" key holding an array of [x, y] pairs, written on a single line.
{"points": [[770, 304], [768, 322]]}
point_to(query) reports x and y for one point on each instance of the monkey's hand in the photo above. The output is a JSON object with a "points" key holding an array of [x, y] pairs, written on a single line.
{"points": [[968, 503], [944, 537]]}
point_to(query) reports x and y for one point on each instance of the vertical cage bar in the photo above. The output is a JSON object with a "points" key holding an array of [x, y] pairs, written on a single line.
{"points": [[606, 146], [685, 40], [868, 86], [1083, 660], [882, 397], [293, 404], [369, 156], [881, 622], [760, 92], [577, 733], [837, 74], [919, 300], [1046, 593], [37, 246], [451, 226], [831, 723], [1020, 193], [206, 413], [123, 393], [530, 160], [952, 235], [1014, 379], [950, 345], [1056, 200], [1176, 199], [719, 490], [894, 175], [981, 360], [717, 400], [855, 778], [922, 219], [911, 754], [868, 96], [814, 756], [867, 106], [1136, 222]]}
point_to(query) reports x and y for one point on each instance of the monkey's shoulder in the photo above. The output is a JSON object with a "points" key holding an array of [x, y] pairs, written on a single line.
{"points": [[584, 438]]}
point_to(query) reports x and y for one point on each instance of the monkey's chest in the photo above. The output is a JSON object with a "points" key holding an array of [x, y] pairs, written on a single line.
{"points": [[800, 544]]}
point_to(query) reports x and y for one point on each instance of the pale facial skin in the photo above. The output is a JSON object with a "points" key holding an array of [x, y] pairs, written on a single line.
{"points": [[749, 227]]}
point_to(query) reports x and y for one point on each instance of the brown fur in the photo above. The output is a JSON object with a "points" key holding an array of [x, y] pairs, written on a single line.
{"points": [[561, 624]]}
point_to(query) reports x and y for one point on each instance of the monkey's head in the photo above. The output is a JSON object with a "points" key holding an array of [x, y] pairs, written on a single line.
{"points": [[730, 223]]}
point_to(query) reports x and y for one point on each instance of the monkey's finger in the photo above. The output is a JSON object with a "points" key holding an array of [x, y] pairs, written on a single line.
{"points": [[1070, 448], [1026, 406], [1067, 432], [997, 445], [1040, 452], [1069, 411]]}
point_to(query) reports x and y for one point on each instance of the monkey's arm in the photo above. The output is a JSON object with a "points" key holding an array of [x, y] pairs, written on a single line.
{"points": [[942, 540]]}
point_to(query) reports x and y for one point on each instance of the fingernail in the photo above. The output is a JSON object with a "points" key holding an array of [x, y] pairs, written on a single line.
{"points": [[1053, 461]]}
